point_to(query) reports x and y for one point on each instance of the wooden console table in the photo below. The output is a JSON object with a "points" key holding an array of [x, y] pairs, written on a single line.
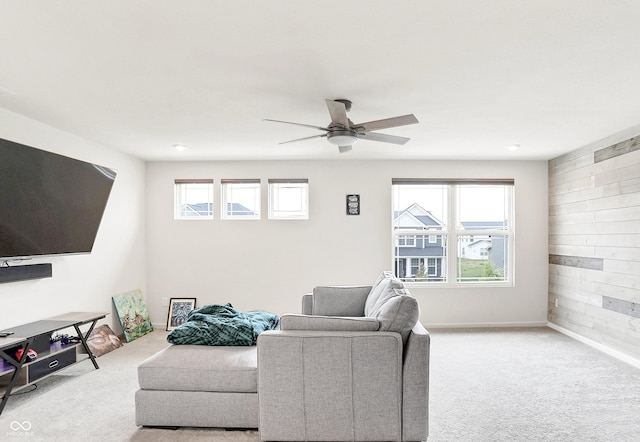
{"points": [[53, 356]]}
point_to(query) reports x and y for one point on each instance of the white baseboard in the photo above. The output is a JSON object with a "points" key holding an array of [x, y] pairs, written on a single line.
{"points": [[433, 326], [603, 348], [159, 326]]}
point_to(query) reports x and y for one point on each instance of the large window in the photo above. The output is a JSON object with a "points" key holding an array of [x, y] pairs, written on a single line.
{"points": [[193, 199], [462, 229], [288, 199], [241, 199]]}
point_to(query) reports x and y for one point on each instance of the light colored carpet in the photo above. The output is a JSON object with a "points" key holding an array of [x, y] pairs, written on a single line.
{"points": [[529, 385], [486, 385], [82, 404]]}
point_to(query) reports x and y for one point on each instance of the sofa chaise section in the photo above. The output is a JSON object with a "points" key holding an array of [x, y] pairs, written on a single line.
{"points": [[199, 386]]}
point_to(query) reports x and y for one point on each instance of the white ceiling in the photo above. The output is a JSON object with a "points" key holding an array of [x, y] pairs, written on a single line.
{"points": [[143, 75]]}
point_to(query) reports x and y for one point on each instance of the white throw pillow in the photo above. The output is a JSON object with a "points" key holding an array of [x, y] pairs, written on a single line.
{"points": [[379, 290], [399, 314]]}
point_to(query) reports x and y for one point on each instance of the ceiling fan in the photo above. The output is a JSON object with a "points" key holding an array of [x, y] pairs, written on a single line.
{"points": [[343, 133]]}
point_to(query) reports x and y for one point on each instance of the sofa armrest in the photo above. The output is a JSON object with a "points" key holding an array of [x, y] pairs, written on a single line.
{"points": [[339, 300], [415, 395], [316, 385], [327, 323]]}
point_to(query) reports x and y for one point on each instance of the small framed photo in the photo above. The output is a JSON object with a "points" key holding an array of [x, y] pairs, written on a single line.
{"points": [[353, 204], [179, 308]]}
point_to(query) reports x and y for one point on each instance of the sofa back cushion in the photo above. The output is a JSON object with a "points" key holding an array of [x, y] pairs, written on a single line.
{"points": [[339, 300]]}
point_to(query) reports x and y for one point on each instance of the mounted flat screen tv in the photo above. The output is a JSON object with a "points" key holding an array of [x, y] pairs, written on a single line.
{"points": [[49, 204]]}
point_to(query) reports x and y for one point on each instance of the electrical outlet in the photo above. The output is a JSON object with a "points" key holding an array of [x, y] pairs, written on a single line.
{"points": [[165, 302]]}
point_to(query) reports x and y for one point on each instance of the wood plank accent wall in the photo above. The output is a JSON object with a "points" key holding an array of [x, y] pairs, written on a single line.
{"points": [[594, 244]]}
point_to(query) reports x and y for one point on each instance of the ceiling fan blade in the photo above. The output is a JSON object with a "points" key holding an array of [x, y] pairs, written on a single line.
{"points": [[338, 112], [344, 149], [303, 139], [387, 123], [384, 138], [298, 124]]}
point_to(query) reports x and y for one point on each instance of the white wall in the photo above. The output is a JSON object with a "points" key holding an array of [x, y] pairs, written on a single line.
{"points": [[117, 263], [269, 264]]}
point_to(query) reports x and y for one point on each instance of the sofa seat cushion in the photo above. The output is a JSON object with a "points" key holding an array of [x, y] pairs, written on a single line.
{"points": [[201, 368]]}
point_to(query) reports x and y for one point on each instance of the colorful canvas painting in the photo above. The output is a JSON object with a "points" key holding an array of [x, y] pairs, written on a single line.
{"points": [[132, 314], [103, 340]]}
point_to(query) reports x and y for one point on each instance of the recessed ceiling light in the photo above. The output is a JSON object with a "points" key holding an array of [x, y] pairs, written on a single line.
{"points": [[179, 147], [513, 147]]}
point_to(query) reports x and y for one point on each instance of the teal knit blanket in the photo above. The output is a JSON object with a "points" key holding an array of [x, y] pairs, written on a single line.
{"points": [[219, 324]]}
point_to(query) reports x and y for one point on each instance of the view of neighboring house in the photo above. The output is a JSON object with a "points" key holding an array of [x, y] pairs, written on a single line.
{"points": [[478, 249], [422, 255], [420, 252], [488, 247], [206, 209], [197, 209]]}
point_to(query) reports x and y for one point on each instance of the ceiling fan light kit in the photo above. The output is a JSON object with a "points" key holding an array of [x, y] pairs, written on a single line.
{"points": [[342, 137], [343, 133]]}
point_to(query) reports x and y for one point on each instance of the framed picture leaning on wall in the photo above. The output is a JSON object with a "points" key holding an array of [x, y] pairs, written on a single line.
{"points": [[179, 308]]}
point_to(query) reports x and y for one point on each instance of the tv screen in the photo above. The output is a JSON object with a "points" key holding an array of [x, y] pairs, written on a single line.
{"points": [[49, 204]]}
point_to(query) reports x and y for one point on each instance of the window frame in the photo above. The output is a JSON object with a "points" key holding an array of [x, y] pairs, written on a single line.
{"points": [[451, 234], [224, 199], [274, 211], [179, 197]]}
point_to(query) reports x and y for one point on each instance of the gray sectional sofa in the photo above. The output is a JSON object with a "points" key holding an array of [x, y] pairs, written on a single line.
{"points": [[353, 366]]}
